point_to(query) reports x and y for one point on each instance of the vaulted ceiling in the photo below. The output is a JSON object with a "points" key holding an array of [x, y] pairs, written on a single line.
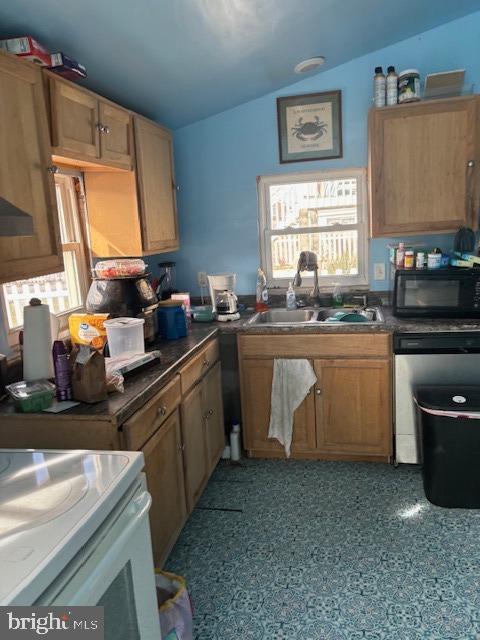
{"points": [[179, 61]]}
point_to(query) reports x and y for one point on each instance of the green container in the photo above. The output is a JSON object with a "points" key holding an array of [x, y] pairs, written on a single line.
{"points": [[31, 397]]}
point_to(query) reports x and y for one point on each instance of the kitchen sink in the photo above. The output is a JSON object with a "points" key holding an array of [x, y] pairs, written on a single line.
{"points": [[283, 317]]}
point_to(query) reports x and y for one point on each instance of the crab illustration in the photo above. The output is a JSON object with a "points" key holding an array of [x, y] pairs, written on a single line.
{"points": [[309, 130]]}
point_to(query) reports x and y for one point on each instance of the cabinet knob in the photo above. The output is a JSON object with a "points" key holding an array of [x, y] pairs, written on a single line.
{"points": [[106, 129], [471, 163], [206, 363], [181, 447], [162, 411], [319, 392], [99, 127], [210, 413], [176, 187], [52, 168]]}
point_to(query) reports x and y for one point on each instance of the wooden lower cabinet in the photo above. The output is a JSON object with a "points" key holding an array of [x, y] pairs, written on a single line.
{"points": [[257, 378], [194, 442], [347, 414], [353, 408], [213, 412], [164, 470]]}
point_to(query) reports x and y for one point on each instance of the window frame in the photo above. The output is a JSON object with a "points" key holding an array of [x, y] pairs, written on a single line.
{"points": [[79, 249], [265, 232]]}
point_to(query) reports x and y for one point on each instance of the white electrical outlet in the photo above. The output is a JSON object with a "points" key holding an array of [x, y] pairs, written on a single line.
{"points": [[202, 279], [379, 271]]}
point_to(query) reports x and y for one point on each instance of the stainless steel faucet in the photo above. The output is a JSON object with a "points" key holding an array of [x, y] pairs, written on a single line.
{"points": [[307, 261], [363, 298]]}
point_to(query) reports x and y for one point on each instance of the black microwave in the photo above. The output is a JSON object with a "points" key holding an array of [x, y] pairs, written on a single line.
{"points": [[437, 293]]}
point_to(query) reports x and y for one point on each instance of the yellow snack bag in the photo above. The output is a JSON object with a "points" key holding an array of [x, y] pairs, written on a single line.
{"points": [[88, 328]]}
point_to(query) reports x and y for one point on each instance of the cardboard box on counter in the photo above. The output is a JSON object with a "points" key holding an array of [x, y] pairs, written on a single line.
{"points": [[67, 67]]}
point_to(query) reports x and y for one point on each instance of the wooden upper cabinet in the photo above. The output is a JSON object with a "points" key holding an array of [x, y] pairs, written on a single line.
{"points": [[423, 166], [116, 134], [87, 128], [75, 123], [353, 406], [156, 186], [24, 178]]}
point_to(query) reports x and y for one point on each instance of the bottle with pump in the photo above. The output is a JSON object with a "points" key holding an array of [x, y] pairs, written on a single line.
{"points": [[392, 86], [291, 298], [379, 84], [262, 292]]}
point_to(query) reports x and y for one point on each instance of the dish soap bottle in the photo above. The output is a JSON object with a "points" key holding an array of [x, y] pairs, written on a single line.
{"points": [[291, 298], [262, 292], [337, 295]]}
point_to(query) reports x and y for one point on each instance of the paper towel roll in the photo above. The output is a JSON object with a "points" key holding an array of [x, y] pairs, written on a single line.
{"points": [[37, 341]]}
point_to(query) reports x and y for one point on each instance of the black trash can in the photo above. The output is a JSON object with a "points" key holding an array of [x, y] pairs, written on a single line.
{"points": [[449, 425]]}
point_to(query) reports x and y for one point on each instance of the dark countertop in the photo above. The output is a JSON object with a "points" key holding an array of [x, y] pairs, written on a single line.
{"points": [[143, 385]]}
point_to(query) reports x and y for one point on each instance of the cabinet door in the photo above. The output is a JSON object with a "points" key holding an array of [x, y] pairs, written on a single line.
{"points": [[158, 210], [194, 445], [75, 123], [164, 469], [213, 411], [25, 181], [419, 167], [257, 378], [353, 406], [116, 137]]}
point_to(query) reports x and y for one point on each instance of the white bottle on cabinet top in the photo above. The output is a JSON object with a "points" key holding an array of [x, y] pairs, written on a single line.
{"points": [[392, 86], [379, 85]]}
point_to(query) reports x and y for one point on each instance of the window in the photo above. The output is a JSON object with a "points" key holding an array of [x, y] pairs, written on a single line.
{"points": [[64, 292], [321, 211]]}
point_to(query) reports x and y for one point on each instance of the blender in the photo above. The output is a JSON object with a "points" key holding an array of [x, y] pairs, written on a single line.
{"points": [[166, 281]]}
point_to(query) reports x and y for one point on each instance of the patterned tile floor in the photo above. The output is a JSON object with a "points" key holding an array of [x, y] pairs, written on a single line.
{"points": [[310, 550]]}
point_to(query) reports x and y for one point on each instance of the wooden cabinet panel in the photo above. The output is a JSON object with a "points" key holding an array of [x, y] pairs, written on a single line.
{"points": [[257, 378], [420, 179], [74, 120], [198, 365], [213, 411], [354, 406], [155, 175], [116, 138], [24, 179], [319, 345], [194, 443], [144, 422], [164, 469]]}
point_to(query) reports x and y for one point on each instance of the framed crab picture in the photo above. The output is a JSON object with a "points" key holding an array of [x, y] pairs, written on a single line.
{"points": [[310, 126]]}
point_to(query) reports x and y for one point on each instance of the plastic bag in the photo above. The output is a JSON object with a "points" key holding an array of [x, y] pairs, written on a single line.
{"points": [[174, 606]]}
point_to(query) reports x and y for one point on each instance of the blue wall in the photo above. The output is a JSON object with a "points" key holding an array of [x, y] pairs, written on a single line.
{"points": [[218, 159]]}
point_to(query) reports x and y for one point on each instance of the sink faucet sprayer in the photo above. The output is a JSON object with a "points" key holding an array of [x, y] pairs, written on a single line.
{"points": [[307, 261]]}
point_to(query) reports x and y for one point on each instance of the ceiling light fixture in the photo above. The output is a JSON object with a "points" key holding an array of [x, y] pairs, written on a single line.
{"points": [[309, 65]]}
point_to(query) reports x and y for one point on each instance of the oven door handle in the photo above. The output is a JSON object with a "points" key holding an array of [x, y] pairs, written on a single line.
{"points": [[128, 519]]}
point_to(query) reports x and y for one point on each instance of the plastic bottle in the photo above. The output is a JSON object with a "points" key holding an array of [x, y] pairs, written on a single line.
{"points": [[337, 295], [400, 256], [379, 84], [291, 298], [62, 371], [262, 292], [392, 86], [235, 448]]}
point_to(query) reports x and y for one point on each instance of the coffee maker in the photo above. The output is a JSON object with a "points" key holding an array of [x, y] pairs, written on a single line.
{"points": [[222, 293]]}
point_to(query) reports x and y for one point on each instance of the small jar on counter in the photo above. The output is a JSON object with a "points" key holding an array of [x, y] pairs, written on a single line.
{"points": [[420, 260], [409, 260]]}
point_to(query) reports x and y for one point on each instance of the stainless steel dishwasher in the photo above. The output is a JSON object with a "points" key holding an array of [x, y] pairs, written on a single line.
{"points": [[426, 359]]}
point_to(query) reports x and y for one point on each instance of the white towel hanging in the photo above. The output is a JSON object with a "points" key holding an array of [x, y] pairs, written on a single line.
{"points": [[292, 379]]}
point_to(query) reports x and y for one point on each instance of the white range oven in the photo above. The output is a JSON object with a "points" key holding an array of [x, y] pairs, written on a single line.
{"points": [[74, 530]]}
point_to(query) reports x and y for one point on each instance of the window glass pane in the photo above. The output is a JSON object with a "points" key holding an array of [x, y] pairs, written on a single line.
{"points": [[60, 291], [313, 204], [337, 253]]}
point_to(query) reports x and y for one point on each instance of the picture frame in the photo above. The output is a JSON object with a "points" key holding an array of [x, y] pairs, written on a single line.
{"points": [[310, 126]]}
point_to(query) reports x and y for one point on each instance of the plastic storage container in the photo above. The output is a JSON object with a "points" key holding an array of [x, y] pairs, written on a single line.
{"points": [[449, 425], [125, 335], [172, 321], [30, 397], [120, 268]]}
